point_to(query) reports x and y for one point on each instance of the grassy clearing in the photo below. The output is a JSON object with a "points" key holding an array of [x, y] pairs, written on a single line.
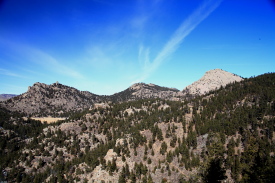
{"points": [[48, 119]]}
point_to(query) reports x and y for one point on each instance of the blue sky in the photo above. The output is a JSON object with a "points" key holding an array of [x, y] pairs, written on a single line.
{"points": [[104, 46]]}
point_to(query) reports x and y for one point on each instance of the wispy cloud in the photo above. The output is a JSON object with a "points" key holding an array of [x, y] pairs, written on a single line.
{"points": [[139, 21], [143, 56], [145, 12], [41, 58], [99, 56], [10, 73], [187, 26], [47, 61]]}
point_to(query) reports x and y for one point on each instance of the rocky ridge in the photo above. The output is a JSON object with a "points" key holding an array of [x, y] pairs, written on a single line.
{"points": [[211, 80], [145, 91], [43, 99]]}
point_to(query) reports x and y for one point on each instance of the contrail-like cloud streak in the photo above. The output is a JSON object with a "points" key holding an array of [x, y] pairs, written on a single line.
{"points": [[187, 26]]}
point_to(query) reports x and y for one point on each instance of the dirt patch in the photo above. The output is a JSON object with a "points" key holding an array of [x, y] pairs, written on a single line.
{"points": [[48, 119]]}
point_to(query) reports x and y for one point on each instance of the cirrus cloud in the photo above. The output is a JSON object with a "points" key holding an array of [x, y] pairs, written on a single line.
{"points": [[186, 27]]}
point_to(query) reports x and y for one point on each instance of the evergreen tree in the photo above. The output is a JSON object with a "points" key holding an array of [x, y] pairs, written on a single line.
{"points": [[214, 172]]}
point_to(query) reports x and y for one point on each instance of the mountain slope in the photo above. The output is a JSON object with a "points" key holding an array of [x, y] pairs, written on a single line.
{"points": [[211, 80], [51, 99], [225, 135], [146, 91], [58, 100]]}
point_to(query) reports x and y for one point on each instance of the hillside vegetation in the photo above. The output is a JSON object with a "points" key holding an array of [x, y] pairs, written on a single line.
{"points": [[227, 134]]}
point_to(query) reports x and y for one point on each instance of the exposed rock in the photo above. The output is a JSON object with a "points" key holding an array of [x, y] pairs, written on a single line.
{"points": [[154, 91], [144, 91], [100, 175], [43, 98], [211, 80], [100, 105], [110, 155], [165, 106]]}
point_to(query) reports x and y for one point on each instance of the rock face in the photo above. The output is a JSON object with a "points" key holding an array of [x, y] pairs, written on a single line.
{"points": [[4, 97], [211, 80]]}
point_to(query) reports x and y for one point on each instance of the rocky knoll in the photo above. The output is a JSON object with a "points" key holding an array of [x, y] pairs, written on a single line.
{"points": [[211, 80], [145, 91], [44, 99]]}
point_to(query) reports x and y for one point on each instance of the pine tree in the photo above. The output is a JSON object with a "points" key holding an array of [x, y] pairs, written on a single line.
{"points": [[214, 173]]}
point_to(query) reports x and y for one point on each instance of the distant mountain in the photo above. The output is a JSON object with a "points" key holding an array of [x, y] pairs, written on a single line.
{"points": [[145, 91], [211, 80], [4, 97], [57, 99]]}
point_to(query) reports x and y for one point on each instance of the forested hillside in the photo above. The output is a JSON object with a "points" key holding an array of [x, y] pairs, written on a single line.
{"points": [[227, 134]]}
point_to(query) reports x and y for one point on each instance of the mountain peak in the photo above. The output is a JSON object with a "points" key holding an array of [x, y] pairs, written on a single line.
{"points": [[151, 86], [211, 80], [48, 98], [137, 86]]}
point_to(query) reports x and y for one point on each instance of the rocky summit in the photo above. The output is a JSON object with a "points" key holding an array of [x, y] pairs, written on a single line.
{"points": [[211, 80], [146, 91]]}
